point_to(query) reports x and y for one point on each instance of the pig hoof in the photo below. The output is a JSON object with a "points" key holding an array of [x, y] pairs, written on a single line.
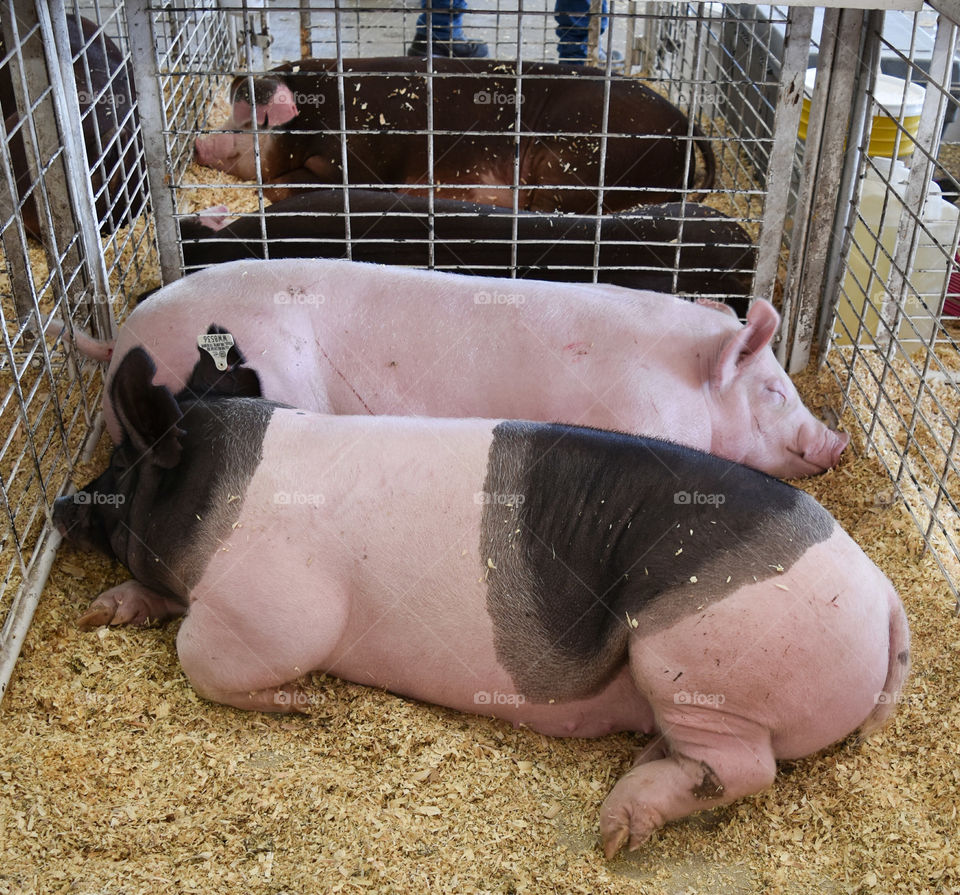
{"points": [[94, 617], [129, 603], [630, 825], [215, 217], [114, 612]]}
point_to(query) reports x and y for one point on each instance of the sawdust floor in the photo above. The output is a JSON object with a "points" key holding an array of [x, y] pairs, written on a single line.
{"points": [[116, 778]]}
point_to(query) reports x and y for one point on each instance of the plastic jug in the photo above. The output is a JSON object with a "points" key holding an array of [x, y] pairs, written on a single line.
{"points": [[931, 266]]}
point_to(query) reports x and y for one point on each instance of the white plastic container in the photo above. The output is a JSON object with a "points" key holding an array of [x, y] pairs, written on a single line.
{"points": [[931, 267]]}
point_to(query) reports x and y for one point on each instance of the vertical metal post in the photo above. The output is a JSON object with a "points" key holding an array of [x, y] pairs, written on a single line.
{"points": [[630, 57], [305, 39], [593, 32], [52, 18], [849, 191], [819, 186], [156, 150], [40, 131], [14, 242], [786, 123]]}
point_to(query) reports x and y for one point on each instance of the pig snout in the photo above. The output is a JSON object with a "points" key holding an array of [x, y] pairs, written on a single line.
{"points": [[216, 150], [819, 449]]}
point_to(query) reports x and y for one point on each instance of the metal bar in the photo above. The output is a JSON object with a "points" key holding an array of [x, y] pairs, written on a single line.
{"points": [[24, 605], [52, 18], [156, 147], [785, 126], [14, 238], [630, 56], [850, 183], [808, 180], [39, 130], [593, 32], [905, 246], [820, 197], [517, 129]]}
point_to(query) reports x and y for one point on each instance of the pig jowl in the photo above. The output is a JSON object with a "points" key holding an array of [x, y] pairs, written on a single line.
{"points": [[601, 581]]}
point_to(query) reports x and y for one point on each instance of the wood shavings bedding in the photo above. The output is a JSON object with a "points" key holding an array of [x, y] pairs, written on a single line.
{"points": [[115, 776]]}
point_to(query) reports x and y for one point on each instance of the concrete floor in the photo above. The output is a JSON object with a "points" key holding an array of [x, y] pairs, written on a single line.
{"points": [[386, 27]]}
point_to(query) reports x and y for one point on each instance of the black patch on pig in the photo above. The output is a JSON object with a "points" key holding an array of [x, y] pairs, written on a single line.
{"points": [[903, 657], [237, 381], [709, 786], [165, 520], [263, 90], [585, 532]]}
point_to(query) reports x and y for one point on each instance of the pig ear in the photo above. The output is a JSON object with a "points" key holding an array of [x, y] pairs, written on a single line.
{"points": [[237, 381], [274, 108], [281, 107], [148, 413], [747, 344]]}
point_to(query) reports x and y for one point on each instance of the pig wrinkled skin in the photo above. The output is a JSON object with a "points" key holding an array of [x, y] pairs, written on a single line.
{"points": [[649, 153], [571, 580], [342, 337]]}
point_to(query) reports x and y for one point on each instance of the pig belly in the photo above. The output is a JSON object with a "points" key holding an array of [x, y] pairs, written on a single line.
{"points": [[801, 656]]}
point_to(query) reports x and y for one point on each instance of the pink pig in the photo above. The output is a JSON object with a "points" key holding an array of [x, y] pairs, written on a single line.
{"points": [[572, 580], [341, 337]]}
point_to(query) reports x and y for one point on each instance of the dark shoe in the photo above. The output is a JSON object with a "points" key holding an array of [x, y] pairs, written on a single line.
{"points": [[581, 60], [459, 49]]}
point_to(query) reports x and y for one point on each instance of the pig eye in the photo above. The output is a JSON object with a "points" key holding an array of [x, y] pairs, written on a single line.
{"points": [[776, 396]]}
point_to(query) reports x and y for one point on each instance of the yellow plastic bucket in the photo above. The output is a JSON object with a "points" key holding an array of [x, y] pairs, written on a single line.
{"points": [[889, 106]]}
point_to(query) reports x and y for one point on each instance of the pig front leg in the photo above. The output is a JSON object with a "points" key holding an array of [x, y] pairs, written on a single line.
{"points": [[275, 191], [691, 777], [234, 653], [129, 603]]}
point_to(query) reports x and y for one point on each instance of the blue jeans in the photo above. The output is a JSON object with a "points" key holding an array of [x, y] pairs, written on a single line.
{"points": [[573, 27], [446, 21], [573, 23]]}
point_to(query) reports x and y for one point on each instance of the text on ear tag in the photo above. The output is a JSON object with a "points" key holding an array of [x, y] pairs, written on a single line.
{"points": [[218, 346]]}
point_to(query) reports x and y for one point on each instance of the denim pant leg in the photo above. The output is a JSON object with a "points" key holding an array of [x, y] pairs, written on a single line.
{"points": [[446, 20], [573, 27]]}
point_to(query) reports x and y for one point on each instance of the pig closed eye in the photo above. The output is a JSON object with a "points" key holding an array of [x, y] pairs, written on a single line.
{"points": [[775, 396]]}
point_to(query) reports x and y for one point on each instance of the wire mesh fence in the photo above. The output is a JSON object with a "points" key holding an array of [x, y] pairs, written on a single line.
{"points": [[893, 339], [101, 190], [75, 238]]}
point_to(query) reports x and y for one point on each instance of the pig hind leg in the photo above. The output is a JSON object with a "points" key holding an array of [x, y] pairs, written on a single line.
{"points": [[691, 777]]}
